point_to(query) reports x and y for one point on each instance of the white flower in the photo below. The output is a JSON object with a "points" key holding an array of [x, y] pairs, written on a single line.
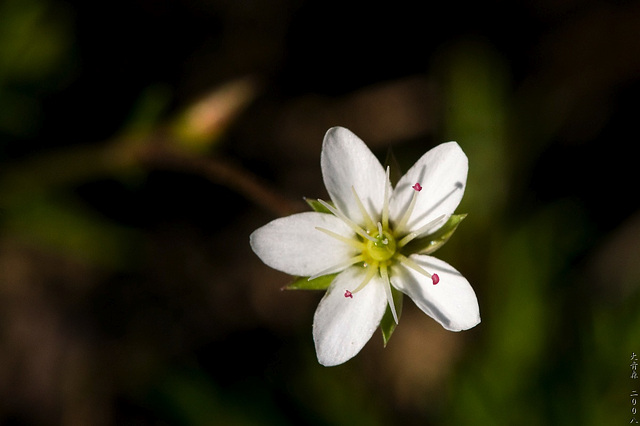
{"points": [[365, 240]]}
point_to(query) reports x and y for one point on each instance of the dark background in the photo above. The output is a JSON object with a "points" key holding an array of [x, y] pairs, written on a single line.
{"points": [[142, 142]]}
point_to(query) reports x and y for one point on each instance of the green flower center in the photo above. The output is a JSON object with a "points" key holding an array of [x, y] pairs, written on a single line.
{"points": [[382, 249]]}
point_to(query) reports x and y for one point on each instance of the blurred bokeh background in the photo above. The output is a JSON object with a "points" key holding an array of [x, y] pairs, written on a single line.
{"points": [[142, 142]]}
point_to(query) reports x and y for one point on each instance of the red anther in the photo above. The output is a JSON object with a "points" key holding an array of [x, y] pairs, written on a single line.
{"points": [[435, 278], [347, 293], [417, 187]]}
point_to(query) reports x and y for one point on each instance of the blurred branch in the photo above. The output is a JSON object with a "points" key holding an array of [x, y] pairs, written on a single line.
{"points": [[182, 144], [77, 165], [222, 172]]}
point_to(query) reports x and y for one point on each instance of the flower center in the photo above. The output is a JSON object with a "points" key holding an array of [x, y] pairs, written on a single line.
{"points": [[382, 248], [376, 243]]}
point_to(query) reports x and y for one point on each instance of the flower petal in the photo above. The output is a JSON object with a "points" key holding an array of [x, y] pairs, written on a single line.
{"points": [[452, 302], [293, 245], [343, 325], [347, 162], [442, 173]]}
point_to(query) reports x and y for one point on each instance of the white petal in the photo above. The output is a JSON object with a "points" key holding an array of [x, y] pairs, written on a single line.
{"points": [[452, 302], [293, 245], [347, 162], [442, 173], [343, 325]]}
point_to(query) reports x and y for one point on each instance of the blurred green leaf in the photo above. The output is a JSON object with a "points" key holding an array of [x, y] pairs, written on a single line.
{"points": [[192, 397], [35, 35], [66, 227], [475, 80], [148, 110], [47, 172], [338, 396], [35, 57]]}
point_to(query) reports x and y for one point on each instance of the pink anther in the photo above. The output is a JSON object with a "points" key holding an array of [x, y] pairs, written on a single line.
{"points": [[417, 187], [347, 293], [435, 278]]}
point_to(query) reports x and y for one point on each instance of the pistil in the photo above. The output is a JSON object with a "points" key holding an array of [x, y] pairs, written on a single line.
{"points": [[382, 249]]}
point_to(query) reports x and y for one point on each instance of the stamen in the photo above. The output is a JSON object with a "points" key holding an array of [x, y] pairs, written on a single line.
{"points": [[348, 221], [407, 214], [365, 214], [371, 271], [387, 289], [379, 229], [385, 205], [413, 265], [347, 293], [410, 236], [350, 241], [338, 267], [435, 278]]}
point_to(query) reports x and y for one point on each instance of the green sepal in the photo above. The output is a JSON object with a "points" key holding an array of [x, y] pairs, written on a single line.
{"points": [[388, 324], [317, 206], [303, 283], [433, 242]]}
